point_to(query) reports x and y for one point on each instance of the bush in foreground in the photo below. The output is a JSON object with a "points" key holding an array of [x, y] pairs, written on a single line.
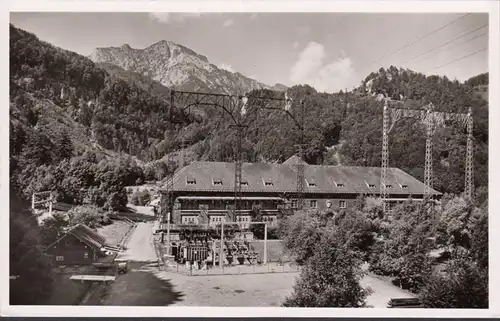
{"points": [[330, 278], [464, 284]]}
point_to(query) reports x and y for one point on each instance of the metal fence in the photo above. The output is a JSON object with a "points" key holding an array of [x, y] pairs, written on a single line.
{"points": [[287, 267]]}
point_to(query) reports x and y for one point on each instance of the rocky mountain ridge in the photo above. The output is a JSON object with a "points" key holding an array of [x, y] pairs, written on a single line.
{"points": [[176, 66]]}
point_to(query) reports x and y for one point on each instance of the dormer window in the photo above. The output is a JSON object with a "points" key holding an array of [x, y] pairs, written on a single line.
{"points": [[191, 181], [404, 186], [217, 181], [244, 183], [268, 182], [370, 185], [388, 186], [311, 183], [339, 184]]}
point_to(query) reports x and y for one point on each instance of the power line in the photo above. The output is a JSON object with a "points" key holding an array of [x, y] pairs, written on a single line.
{"points": [[461, 58], [458, 44], [419, 39], [448, 42]]}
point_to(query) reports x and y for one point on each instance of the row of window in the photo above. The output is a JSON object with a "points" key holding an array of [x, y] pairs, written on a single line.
{"points": [[266, 205], [60, 258], [218, 182], [192, 219], [314, 204]]}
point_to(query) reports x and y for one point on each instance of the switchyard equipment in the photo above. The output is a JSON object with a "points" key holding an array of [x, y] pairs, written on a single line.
{"points": [[431, 119], [240, 110]]}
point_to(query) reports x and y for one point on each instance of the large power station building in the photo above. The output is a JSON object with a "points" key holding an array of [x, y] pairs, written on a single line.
{"points": [[204, 191]]}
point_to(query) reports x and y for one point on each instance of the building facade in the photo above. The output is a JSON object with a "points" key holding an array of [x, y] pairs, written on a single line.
{"points": [[204, 191], [78, 246]]}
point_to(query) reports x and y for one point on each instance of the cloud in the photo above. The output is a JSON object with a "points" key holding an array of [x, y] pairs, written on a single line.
{"points": [[311, 68], [295, 45], [227, 67], [168, 17], [228, 23]]}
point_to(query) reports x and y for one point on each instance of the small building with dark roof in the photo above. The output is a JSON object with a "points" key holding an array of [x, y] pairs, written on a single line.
{"points": [[80, 245], [204, 191]]}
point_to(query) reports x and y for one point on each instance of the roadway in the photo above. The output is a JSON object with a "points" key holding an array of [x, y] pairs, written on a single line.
{"points": [[140, 247]]}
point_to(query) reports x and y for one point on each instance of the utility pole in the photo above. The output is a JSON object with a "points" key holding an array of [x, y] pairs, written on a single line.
{"points": [[265, 243], [221, 256], [300, 164], [238, 168], [168, 234]]}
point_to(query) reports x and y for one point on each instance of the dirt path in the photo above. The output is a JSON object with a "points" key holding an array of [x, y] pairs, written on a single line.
{"points": [[259, 290], [140, 247], [384, 291], [251, 290]]}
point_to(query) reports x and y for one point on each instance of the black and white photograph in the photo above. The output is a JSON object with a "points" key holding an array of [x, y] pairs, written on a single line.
{"points": [[249, 158]]}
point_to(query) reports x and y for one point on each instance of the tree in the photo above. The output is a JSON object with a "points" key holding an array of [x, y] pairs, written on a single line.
{"points": [[354, 231], [454, 221], [65, 147], [479, 237], [402, 253], [141, 198], [34, 282], [463, 284], [300, 234], [88, 215], [329, 278], [52, 228]]}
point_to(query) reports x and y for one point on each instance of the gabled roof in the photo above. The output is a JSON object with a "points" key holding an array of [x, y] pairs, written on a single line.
{"points": [[294, 160], [86, 235], [284, 179]]}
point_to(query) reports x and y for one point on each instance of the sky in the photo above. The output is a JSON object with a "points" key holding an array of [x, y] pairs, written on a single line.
{"points": [[329, 51]]}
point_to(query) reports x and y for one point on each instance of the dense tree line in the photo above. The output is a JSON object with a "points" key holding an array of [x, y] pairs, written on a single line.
{"points": [[362, 128], [401, 245], [124, 112], [479, 80], [30, 268], [123, 116]]}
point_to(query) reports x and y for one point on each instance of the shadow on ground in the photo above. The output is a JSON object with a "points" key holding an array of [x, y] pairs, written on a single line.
{"points": [[137, 287]]}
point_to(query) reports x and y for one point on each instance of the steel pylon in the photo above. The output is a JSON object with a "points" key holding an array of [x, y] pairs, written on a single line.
{"points": [[385, 157], [469, 160]]}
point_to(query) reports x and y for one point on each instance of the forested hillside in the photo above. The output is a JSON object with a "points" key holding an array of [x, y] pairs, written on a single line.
{"points": [[361, 129], [63, 105]]}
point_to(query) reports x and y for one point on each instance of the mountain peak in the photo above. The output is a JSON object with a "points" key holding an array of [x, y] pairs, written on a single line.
{"points": [[177, 66]]}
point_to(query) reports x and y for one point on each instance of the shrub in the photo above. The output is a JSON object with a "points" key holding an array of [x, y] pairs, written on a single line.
{"points": [[414, 269], [141, 198], [463, 284], [91, 216], [330, 278]]}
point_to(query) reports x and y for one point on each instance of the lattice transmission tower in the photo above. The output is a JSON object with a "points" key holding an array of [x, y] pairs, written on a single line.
{"points": [[469, 165], [431, 119]]}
